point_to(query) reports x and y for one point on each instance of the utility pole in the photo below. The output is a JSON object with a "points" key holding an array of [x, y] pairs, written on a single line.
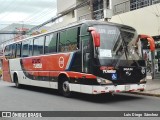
{"points": [[107, 9]]}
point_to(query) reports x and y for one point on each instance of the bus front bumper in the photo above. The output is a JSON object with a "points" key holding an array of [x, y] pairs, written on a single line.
{"points": [[118, 88], [100, 89]]}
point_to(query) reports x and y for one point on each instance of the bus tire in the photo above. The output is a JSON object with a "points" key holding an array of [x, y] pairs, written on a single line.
{"points": [[64, 87], [16, 81]]}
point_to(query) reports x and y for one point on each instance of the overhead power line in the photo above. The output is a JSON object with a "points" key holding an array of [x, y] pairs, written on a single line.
{"points": [[12, 32], [40, 15], [63, 13]]}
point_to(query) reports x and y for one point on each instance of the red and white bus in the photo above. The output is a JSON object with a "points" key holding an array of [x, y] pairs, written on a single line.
{"points": [[89, 57]]}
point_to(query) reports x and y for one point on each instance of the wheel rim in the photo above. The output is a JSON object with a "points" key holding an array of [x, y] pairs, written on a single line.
{"points": [[66, 86]]}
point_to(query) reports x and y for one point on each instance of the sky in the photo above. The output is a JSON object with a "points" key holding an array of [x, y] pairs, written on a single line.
{"points": [[26, 11]]}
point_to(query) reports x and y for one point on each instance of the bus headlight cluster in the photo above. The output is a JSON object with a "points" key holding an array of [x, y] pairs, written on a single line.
{"points": [[143, 81], [103, 81]]}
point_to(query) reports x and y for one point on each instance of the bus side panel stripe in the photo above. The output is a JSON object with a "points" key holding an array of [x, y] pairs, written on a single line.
{"points": [[70, 61]]}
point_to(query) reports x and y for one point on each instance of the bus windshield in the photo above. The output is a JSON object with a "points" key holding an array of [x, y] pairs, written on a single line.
{"points": [[117, 43]]}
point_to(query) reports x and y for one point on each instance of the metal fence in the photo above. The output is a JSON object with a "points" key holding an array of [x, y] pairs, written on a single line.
{"points": [[121, 7], [132, 5]]}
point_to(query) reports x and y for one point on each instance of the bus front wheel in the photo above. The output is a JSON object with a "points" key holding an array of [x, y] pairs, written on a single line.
{"points": [[64, 88]]}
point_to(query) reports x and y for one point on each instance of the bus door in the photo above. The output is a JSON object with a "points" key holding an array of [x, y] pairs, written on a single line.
{"points": [[90, 40], [87, 56]]}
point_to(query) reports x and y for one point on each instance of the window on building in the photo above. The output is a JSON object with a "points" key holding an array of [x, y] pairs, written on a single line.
{"points": [[51, 43], [155, 1], [136, 4], [98, 9], [38, 45]]}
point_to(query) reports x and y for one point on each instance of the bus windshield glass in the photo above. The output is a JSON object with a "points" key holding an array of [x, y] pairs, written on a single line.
{"points": [[117, 43]]}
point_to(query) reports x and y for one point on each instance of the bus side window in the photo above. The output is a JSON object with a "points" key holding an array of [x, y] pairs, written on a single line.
{"points": [[62, 42], [78, 38], [13, 55], [10, 52], [25, 51], [51, 43], [38, 46], [30, 47], [7, 52], [47, 42], [18, 50], [84, 36], [72, 39]]}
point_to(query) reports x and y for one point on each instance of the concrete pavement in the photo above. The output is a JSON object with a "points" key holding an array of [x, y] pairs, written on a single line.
{"points": [[152, 88]]}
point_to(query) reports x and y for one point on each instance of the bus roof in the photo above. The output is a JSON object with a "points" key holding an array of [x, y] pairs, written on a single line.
{"points": [[95, 22], [87, 22]]}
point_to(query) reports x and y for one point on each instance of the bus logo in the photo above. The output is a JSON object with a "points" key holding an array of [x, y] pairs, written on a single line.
{"points": [[109, 71], [36, 63], [128, 69], [61, 62], [128, 73]]}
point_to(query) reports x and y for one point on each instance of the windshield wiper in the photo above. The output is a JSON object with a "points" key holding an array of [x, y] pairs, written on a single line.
{"points": [[126, 51]]}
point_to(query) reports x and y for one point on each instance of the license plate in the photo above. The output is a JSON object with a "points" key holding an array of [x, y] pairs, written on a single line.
{"points": [[127, 87]]}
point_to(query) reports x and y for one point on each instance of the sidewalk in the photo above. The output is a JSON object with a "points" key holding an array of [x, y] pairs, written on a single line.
{"points": [[152, 88]]}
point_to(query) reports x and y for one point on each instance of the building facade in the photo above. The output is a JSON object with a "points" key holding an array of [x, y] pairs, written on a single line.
{"points": [[143, 15], [140, 14]]}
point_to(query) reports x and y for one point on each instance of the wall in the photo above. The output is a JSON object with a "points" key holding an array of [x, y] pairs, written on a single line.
{"points": [[146, 20], [69, 18], [64, 4], [83, 13]]}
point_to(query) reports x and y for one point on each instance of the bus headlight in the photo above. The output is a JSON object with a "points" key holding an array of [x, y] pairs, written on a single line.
{"points": [[143, 81], [103, 81]]}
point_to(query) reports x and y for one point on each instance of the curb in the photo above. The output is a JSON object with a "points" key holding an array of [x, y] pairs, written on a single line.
{"points": [[146, 94]]}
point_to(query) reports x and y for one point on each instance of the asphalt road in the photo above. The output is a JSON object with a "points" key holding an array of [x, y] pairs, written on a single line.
{"points": [[41, 99]]}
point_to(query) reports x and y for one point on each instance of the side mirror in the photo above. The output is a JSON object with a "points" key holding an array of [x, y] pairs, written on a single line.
{"points": [[150, 40], [95, 35]]}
